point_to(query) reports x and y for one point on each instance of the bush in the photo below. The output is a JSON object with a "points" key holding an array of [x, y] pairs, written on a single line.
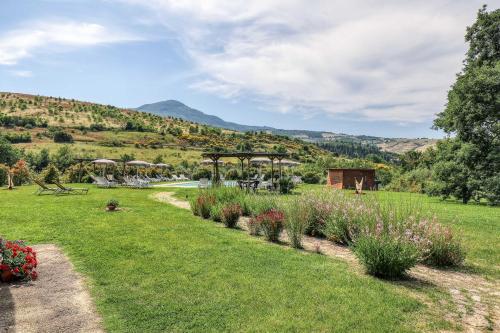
{"points": [[296, 220], [286, 185], [216, 212], [202, 204], [50, 174], [113, 203], [311, 178], [62, 137], [253, 226], [272, 224], [385, 256], [258, 204], [17, 260], [202, 173], [230, 215], [232, 174], [437, 245]]}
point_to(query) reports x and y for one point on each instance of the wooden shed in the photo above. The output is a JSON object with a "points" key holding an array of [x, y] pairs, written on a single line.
{"points": [[345, 178]]}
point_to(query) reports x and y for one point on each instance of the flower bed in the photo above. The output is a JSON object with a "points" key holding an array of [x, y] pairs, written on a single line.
{"points": [[17, 261]]}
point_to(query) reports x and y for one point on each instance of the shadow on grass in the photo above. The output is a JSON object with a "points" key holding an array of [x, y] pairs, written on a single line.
{"points": [[7, 308]]}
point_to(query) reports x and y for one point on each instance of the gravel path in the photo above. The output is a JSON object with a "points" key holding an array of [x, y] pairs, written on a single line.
{"points": [[477, 301], [57, 301]]}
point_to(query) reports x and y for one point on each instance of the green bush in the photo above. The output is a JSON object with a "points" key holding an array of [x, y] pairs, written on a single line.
{"points": [[311, 178], [62, 137], [202, 173], [230, 215], [216, 212], [385, 256], [296, 220], [50, 174]]}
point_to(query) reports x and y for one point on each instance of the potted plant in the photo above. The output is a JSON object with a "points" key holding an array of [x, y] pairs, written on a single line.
{"points": [[17, 261], [112, 205]]}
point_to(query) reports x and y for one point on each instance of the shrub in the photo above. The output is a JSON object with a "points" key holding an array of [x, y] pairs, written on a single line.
{"points": [[50, 174], [271, 223], [202, 173], [112, 203], [230, 215], [296, 220], [253, 226], [286, 185], [436, 244], [311, 178], [17, 260], [216, 212], [384, 255], [203, 203], [61, 137], [232, 174], [258, 204]]}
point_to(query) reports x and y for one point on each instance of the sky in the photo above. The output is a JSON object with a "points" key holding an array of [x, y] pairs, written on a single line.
{"points": [[359, 67]]}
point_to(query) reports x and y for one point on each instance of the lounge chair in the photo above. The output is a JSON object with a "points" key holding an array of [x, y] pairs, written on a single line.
{"points": [[43, 188], [175, 178], [102, 182], [203, 183], [70, 190], [182, 177]]}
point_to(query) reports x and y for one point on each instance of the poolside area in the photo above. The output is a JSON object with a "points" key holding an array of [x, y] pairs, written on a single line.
{"points": [[195, 183]]}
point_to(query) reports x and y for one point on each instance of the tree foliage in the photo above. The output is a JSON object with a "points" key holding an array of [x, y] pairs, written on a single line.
{"points": [[469, 165]]}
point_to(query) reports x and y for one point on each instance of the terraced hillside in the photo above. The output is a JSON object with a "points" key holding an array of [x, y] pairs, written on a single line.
{"points": [[95, 130]]}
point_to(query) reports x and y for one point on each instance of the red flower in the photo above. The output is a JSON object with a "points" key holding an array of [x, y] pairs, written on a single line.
{"points": [[4, 267]]}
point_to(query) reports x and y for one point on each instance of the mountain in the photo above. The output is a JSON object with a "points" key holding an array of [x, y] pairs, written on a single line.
{"points": [[176, 109]]}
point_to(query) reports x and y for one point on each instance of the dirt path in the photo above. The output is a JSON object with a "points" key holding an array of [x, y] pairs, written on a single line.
{"points": [[477, 301], [57, 302]]}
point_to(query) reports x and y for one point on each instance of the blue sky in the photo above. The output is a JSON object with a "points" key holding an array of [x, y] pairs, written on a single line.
{"points": [[360, 67]]}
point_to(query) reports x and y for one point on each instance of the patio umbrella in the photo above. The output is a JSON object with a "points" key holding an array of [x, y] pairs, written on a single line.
{"points": [[208, 162], [289, 163], [162, 165], [260, 160], [104, 162], [138, 164]]}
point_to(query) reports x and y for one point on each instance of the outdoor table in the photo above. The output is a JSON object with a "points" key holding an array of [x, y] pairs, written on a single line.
{"points": [[248, 184]]}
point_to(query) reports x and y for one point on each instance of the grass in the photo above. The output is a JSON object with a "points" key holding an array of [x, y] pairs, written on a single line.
{"points": [[153, 267]]}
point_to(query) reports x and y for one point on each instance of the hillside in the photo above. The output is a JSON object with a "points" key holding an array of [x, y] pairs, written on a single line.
{"points": [[172, 108], [35, 122]]}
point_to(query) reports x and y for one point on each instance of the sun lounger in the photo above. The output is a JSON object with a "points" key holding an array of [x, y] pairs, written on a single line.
{"points": [[102, 182], [182, 177], [43, 188], [70, 190]]}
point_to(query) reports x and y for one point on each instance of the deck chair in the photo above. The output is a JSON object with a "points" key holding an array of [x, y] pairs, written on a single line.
{"points": [[70, 190], [359, 186], [102, 182], [43, 188]]}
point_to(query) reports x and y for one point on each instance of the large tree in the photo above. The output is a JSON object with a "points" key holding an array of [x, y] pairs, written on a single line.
{"points": [[472, 115]]}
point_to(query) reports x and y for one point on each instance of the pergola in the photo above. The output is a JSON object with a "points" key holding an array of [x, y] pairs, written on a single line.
{"points": [[242, 156]]}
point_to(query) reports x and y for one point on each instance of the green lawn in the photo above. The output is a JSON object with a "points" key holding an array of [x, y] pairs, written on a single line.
{"points": [[153, 267]]}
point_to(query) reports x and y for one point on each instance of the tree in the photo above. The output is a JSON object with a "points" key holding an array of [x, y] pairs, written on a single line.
{"points": [[473, 115], [63, 158], [8, 154]]}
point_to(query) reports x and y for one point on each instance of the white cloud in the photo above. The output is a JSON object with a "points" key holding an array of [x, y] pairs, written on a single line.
{"points": [[21, 73], [22, 43], [376, 60]]}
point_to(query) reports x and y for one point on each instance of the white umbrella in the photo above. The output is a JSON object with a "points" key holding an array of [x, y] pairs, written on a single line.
{"points": [[138, 163], [289, 163], [162, 165], [260, 160], [212, 162], [104, 161]]}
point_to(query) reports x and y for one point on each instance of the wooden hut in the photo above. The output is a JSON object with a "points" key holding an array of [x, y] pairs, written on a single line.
{"points": [[345, 178]]}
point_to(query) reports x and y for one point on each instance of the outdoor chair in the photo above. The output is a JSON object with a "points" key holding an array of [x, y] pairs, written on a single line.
{"points": [[182, 177], [102, 182], [43, 188], [70, 190], [203, 183]]}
